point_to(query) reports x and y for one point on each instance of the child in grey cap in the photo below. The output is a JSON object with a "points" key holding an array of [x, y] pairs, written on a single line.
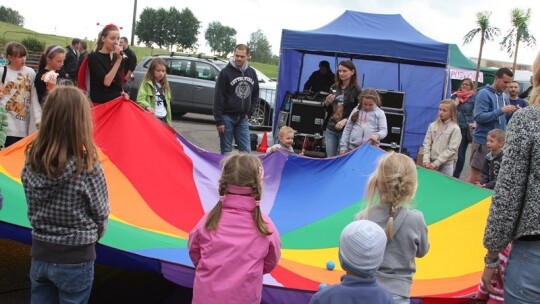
{"points": [[361, 251]]}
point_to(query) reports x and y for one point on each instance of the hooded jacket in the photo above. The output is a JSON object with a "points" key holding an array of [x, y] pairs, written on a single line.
{"points": [[67, 210], [236, 92], [488, 113], [230, 261]]}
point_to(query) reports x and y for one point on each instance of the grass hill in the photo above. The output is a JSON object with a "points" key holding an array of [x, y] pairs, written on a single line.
{"points": [[12, 33]]}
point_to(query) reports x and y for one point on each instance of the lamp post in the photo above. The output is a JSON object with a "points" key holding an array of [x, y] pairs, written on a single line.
{"points": [[133, 24]]}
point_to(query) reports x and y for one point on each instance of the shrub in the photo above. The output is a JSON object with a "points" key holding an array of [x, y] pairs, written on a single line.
{"points": [[33, 45]]}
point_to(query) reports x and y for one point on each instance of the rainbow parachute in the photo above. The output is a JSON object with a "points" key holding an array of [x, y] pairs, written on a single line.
{"points": [[160, 185]]}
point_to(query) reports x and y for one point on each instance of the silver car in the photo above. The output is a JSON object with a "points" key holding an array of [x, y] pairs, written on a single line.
{"points": [[192, 81]]}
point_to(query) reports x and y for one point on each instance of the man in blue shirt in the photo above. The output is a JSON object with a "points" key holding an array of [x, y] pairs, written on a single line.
{"points": [[515, 100], [490, 105]]}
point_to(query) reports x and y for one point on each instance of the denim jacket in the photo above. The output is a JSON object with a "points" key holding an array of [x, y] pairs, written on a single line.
{"points": [[465, 111]]}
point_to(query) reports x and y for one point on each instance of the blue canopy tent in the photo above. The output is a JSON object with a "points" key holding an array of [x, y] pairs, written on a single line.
{"points": [[389, 54]]}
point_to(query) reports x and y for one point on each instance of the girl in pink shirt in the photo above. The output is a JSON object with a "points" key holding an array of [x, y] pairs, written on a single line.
{"points": [[234, 244]]}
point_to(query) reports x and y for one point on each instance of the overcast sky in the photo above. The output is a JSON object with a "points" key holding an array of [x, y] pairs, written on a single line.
{"points": [[445, 21]]}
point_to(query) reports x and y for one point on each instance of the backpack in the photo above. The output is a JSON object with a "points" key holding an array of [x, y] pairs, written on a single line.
{"points": [[4, 74]]}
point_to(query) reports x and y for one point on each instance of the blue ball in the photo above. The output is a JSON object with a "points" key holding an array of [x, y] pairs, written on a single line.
{"points": [[322, 286], [330, 265]]}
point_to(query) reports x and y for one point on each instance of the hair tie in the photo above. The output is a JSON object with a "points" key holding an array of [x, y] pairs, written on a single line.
{"points": [[108, 26], [221, 197], [257, 203], [54, 48]]}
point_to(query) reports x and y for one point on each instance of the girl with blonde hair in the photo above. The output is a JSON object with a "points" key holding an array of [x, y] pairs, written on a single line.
{"points": [[442, 140], [235, 243], [393, 185], [67, 198]]}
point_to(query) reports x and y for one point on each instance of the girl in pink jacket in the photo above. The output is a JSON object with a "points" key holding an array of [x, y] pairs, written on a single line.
{"points": [[234, 244]]}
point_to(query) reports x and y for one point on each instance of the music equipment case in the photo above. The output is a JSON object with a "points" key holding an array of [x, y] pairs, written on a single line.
{"points": [[393, 105]]}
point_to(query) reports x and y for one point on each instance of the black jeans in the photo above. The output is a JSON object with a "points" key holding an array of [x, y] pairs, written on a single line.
{"points": [[462, 151]]}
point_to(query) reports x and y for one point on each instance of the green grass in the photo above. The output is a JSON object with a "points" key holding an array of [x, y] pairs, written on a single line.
{"points": [[11, 33], [269, 70]]}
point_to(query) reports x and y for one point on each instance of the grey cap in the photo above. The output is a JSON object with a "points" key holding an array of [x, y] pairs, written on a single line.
{"points": [[361, 247]]}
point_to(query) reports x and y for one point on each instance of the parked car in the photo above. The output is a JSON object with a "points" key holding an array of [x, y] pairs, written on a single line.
{"points": [[192, 81]]}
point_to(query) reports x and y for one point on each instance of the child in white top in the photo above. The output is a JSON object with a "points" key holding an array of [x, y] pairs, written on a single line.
{"points": [[286, 140], [442, 140], [19, 95], [394, 184], [366, 124]]}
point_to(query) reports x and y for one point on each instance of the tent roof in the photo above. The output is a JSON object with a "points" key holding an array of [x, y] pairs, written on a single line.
{"points": [[366, 34], [459, 60]]}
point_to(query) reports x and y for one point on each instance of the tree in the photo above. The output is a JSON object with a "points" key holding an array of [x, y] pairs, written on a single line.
{"points": [[12, 16], [146, 26], [172, 31], [487, 33], [168, 28], [220, 38], [188, 29], [519, 32], [261, 51]]}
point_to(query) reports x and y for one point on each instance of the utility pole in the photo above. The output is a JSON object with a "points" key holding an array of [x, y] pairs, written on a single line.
{"points": [[133, 24]]}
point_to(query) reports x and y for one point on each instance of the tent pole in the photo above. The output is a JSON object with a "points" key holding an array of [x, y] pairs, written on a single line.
{"points": [[300, 74]]}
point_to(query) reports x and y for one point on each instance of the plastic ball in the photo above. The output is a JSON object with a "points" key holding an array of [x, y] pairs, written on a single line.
{"points": [[330, 265], [322, 286]]}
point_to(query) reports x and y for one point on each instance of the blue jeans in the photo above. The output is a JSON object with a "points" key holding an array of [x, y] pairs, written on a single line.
{"points": [[60, 283], [332, 139], [522, 272], [236, 127], [462, 151]]}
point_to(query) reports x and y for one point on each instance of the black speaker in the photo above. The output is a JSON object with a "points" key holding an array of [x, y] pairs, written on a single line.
{"points": [[392, 100], [307, 117], [395, 122]]}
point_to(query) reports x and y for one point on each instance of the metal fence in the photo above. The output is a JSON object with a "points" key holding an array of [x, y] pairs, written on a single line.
{"points": [[263, 115]]}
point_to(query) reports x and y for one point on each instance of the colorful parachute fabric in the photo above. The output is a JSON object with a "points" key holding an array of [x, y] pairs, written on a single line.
{"points": [[160, 185]]}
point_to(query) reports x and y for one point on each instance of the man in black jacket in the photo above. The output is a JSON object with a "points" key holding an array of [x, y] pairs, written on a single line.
{"points": [[320, 80], [69, 70], [128, 64], [236, 96]]}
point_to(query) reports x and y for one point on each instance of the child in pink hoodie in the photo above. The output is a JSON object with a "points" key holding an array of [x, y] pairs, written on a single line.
{"points": [[234, 244]]}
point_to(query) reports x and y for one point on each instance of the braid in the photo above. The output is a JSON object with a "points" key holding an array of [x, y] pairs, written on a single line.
{"points": [[389, 229]]}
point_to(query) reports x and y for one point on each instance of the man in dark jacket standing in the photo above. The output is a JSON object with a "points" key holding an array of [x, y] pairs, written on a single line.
{"points": [[128, 64], [236, 96], [69, 70]]}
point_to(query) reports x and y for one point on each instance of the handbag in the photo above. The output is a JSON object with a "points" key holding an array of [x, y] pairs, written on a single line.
{"points": [[470, 132], [470, 129]]}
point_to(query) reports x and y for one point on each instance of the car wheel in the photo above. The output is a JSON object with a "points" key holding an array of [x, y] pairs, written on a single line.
{"points": [[262, 116]]}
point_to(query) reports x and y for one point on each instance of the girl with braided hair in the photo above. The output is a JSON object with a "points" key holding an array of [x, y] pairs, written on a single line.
{"points": [[393, 185], [234, 244]]}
